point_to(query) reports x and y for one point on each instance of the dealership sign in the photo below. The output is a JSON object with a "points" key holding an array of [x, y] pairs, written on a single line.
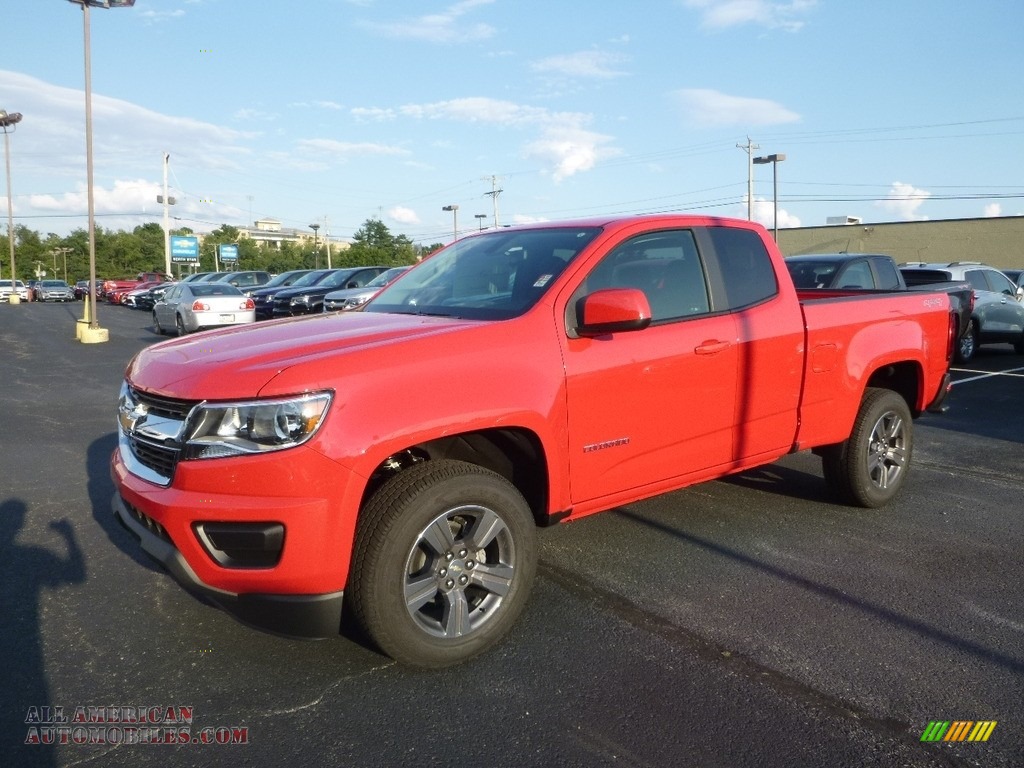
{"points": [[184, 250]]}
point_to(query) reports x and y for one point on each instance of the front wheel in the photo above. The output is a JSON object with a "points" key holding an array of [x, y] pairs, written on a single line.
{"points": [[179, 325], [444, 559], [869, 468]]}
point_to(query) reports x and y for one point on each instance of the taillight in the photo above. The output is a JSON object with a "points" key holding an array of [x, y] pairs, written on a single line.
{"points": [[952, 336], [249, 304], [198, 306]]}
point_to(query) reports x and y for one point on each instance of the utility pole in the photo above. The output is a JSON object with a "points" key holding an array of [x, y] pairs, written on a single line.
{"points": [[494, 196], [327, 242], [749, 148], [167, 201]]}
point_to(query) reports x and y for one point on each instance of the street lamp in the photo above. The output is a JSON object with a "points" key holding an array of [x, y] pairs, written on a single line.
{"points": [[316, 243], [63, 252], [95, 334], [455, 219], [774, 160], [480, 219], [8, 121]]}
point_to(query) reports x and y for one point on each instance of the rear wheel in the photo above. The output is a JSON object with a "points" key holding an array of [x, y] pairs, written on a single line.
{"points": [[179, 325], [968, 343], [156, 325], [445, 556], [1018, 345], [869, 468]]}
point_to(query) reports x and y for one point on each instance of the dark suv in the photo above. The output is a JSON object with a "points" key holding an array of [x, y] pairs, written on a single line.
{"points": [[305, 300], [998, 315]]}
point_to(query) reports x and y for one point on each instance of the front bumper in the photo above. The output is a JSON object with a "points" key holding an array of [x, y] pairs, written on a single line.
{"points": [[295, 585], [305, 617]]}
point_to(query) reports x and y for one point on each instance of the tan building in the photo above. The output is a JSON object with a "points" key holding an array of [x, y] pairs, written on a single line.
{"points": [[997, 241], [269, 233]]}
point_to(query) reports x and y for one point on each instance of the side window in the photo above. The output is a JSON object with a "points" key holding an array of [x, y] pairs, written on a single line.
{"points": [[977, 280], [856, 275], [888, 277], [664, 265], [747, 274], [1000, 283]]}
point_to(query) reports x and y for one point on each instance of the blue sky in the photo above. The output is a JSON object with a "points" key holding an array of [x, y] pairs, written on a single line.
{"points": [[336, 111]]}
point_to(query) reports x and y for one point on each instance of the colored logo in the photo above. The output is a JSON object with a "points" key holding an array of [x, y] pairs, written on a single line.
{"points": [[958, 730]]}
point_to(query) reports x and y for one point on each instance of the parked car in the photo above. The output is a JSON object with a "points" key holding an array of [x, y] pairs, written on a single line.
{"points": [[845, 271], [998, 314], [191, 307], [1016, 275], [351, 298], [147, 298], [246, 281], [19, 287], [305, 300], [200, 276], [264, 297], [118, 295], [53, 290], [82, 289]]}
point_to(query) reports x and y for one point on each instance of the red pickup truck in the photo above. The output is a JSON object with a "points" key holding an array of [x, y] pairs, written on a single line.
{"points": [[113, 290], [397, 461]]}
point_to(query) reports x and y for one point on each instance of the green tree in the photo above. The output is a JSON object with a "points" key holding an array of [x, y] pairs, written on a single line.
{"points": [[374, 244]]}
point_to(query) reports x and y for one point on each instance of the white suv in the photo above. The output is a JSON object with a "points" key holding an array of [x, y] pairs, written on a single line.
{"points": [[998, 315]]}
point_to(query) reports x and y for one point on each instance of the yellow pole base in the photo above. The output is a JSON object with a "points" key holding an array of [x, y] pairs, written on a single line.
{"points": [[91, 335], [80, 326], [14, 299]]}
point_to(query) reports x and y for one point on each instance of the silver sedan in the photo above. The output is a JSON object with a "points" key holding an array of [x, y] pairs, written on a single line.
{"points": [[190, 307]]}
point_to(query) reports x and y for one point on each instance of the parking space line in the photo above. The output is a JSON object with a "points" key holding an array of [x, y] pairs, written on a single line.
{"points": [[1013, 373]]}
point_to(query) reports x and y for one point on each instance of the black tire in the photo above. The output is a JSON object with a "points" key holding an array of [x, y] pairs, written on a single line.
{"points": [[1018, 345], [156, 325], [439, 536], [179, 326], [967, 345], [870, 468]]}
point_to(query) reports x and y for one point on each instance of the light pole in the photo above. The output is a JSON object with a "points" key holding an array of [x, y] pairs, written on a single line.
{"points": [[455, 219], [63, 252], [774, 160], [480, 219], [7, 122], [95, 333], [316, 243]]}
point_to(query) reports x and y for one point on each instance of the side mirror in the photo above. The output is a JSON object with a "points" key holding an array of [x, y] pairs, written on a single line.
{"points": [[1020, 293], [613, 310]]}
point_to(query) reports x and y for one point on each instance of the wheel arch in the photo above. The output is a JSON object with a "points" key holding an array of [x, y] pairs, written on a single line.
{"points": [[903, 378], [515, 453]]}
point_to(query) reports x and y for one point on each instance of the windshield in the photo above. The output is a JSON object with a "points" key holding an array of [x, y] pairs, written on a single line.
{"points": [[386, 277], [493, 276], [310, 278]]}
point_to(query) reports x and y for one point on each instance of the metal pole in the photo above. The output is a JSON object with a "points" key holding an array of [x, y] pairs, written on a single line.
{"points": [[775, 196], [167, 218], [10, 210], [94, 322]]}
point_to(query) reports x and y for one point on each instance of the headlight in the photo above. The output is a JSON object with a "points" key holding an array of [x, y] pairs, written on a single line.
{"points": [[300, 299], [233, 429]]}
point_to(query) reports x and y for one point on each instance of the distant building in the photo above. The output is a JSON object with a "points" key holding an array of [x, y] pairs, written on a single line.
{"points": [[832, 220], [268, 233]]}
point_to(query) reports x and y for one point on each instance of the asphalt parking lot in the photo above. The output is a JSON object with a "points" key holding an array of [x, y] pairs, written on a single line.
{"points": [[749, 621]]}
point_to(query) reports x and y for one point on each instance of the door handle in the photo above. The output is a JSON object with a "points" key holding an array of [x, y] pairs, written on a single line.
{"points": [[711, 347]]}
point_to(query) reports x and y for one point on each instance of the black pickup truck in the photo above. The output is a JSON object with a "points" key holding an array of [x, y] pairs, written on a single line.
{"points": [[879, 272]]}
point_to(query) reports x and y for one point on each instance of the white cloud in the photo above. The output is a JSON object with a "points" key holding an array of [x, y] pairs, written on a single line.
{"points": [[402, 215], [570, 150], [444, 27], [587, 64], [764, 213], [904, 200], [565, 145], [704, 107], [375, 114], [720, 14], [348, 148], [327, 104], [992, 210]]}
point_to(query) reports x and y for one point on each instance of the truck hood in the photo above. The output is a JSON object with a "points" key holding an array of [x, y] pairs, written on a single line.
{"points": [[240, 362]]}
